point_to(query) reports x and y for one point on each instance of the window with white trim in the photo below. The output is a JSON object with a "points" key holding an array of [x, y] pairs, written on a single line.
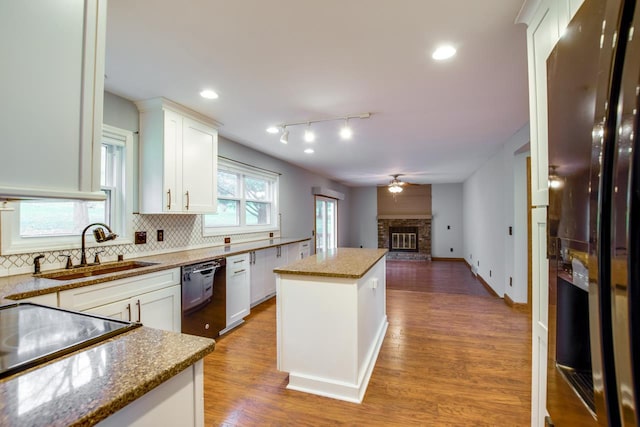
{"points": [[51, 224], [247, 200]]}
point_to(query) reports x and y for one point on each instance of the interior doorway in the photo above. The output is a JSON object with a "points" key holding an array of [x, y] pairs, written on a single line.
{"points": [[326, 223]]}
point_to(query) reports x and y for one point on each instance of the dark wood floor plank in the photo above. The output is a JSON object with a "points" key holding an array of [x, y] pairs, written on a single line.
{"points": [[453, 355]]}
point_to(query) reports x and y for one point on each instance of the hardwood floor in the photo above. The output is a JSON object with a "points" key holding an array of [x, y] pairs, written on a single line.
{"points": [[453, 355]]}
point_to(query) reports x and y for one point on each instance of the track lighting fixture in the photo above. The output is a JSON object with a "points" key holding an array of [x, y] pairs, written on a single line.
{"points": [[284, 138], [309, 136], [345, 131]]}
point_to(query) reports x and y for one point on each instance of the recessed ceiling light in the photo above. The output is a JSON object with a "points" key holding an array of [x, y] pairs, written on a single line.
{"points": [[273, 129], [309, 151], [209, 94], [443, 52]]}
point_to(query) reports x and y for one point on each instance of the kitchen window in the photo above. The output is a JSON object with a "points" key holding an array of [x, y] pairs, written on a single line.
{"points": [[247, 200], [50, 224]]}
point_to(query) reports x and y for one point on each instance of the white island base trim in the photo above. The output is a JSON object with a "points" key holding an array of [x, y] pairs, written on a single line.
{"points": [[339, 389]]}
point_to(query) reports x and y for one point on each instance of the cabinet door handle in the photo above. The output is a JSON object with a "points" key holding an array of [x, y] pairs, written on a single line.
{"points": [[187, 195], [169, 199], [129, 310], [138, 304], [240, 260], [239, 271]]}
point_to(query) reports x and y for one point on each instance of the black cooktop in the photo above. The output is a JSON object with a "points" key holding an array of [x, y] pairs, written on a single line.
{"points": [[31, 334]]}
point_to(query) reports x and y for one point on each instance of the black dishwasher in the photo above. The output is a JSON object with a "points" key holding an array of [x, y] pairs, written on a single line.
{"points": [[204, 297]]}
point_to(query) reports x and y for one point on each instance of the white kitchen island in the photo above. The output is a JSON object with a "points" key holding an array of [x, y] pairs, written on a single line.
{"points": [[331, 321]]}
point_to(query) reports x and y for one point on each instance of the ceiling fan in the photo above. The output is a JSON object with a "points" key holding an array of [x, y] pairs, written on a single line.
{"points": [[395, 186]]}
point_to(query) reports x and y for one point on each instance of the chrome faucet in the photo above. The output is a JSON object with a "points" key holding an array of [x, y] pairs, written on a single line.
{"points": [[100, 237]]}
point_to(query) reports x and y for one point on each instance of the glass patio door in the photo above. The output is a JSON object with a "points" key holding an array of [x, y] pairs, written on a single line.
{"points": [[326, 223]]}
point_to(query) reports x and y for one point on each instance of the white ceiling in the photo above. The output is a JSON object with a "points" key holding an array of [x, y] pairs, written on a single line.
{"points": [[277, 61]]}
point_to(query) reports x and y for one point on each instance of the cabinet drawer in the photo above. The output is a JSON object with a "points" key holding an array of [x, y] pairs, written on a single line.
{"points": [[237, 265], [95, 295]]}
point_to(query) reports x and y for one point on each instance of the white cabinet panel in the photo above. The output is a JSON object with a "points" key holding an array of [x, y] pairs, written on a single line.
{"points": [[200, 163], [178, 159], [120, 310], [46, 299], [540, 318], [161, 309], [238, 289], [177, 402], [52, 94], [542, 35]]}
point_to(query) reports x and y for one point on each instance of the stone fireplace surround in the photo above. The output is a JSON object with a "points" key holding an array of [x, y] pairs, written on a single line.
{"points": [[422, 222]]}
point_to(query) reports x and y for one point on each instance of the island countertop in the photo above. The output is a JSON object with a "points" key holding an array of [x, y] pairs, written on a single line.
{"points": [[347, 263], [89, 385]]}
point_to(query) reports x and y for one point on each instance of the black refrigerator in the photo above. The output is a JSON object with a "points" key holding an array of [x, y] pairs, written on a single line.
{"points": [[593, 90]]}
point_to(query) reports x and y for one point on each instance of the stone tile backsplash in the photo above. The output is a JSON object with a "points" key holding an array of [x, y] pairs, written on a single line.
{"points": [[181, 232]]}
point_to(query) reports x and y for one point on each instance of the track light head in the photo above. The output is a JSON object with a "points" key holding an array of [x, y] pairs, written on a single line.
{"points": [[284, 138], [345, 131], [309, 136]]}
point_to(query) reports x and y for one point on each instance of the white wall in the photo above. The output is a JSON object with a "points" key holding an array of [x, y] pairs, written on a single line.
{"points": [[488, 200], [364, 217], [447, 230]]}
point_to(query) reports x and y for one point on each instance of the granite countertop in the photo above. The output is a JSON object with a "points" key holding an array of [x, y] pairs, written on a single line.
{"points": [[348, 263], [26, 285], [89, 385]]}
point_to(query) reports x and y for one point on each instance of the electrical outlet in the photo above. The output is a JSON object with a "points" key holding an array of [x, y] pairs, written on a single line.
{"points": [[270, 234], [160, 235], [227, 240], [450, 249], [489, 273], [140, 237], [510, 281], [478, 263], [510, 231], [448, 227]]}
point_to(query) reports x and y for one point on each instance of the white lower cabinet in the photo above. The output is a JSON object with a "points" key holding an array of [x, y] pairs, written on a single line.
{"points": [[238, 289], [297, 251], [155, 309], [176, 402], [152, 299], [264, 261]]}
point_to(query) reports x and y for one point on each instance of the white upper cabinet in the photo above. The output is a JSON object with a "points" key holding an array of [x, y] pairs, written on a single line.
{"points": [[178, 159], [52, 92]]}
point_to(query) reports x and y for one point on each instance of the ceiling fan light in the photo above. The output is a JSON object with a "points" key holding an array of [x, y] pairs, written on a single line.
{"points": [[395, 188]]}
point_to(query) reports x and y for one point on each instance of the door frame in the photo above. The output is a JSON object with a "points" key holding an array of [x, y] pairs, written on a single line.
{"points": [[315, 230]]}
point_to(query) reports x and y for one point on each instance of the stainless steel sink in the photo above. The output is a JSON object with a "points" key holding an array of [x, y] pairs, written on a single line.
{"points": [[94, 270]]}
